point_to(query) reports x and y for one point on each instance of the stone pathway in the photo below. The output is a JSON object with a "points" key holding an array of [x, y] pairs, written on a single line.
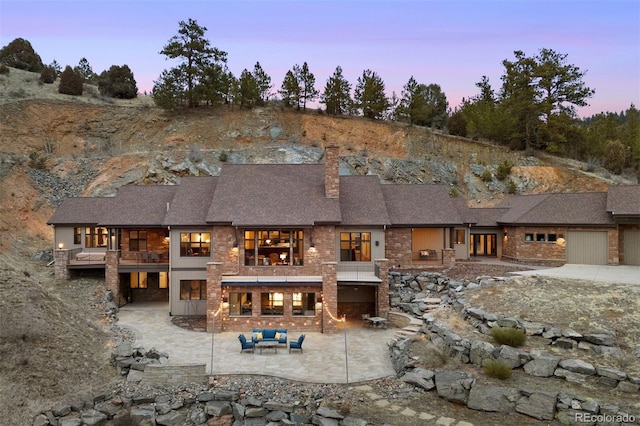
{"points": [[429, 419]]}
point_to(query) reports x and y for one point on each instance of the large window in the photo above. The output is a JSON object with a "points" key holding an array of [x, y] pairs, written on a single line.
{"points": [[138, 280], [304, 304], [193, 289], [273, 247], [355, 246], [272, 304], [195, 244], [460, 236], [240, 304], [95, 237], [77, 235], [137, 240]]}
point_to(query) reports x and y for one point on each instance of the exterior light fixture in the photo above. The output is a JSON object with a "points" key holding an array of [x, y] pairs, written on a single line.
{"points": [[61, 246]]}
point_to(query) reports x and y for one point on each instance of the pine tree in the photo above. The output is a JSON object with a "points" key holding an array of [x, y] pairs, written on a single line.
{"points": [[290, 90], [264, 83], [70, 82], [369, 95], [336, 96], [306, 81]]}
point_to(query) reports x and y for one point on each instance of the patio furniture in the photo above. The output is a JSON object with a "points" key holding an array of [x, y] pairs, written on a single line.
{"points": [[365, 321], [378, 322], [246, 345], [278, 335], [266, 344], [296, 344]]}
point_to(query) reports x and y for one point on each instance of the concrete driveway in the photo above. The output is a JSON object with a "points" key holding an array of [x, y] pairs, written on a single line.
{"points": [[353, 356], [623, 274]]}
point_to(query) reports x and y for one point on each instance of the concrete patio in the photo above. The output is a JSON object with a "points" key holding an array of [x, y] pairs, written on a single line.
{"points": [[355, 354]]}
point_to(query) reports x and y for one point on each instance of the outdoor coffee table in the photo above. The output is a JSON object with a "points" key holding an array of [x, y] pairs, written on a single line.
{"points": [[267, 345]]}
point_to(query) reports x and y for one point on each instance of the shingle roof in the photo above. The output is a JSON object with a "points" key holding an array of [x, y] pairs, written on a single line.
{"points": [[140, 205], [624, 200], [272, 195], [485, 216], [412, 205], [587, 208], [81, 211], [191, 202], [362, 201]]}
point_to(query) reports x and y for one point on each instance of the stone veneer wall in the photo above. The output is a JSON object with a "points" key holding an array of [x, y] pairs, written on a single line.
{"points": [[214, 296], [60, 269], [332, 171], [398, 246], [383, 288], [174, 374], [112, 279], [155, 243], [244, 324], [330, 297]]}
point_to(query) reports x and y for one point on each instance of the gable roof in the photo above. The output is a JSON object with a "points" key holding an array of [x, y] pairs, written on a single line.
{"points": [[418, 204], [586, 208], [362, 201], [139, 205], [191, 201], [272, 195], [81, 211], [624, 200], [485, 216]]}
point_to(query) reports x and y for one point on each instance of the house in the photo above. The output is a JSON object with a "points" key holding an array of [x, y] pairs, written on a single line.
{"points": [[298, 246]]}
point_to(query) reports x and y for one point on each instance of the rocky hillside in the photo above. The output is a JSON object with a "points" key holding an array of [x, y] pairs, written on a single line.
{"points": [[53, 146]]}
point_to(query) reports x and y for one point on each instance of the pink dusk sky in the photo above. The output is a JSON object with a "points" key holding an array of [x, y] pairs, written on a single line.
{"points": [[450, 43]]}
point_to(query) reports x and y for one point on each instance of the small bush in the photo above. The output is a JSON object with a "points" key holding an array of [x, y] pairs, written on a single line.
{"points": [[223, 157], [18, 93], [497, 369], [508, 336], [36, 161], [486, 175], [511, 187], [4, 69], [504, 169], [453, 192]]}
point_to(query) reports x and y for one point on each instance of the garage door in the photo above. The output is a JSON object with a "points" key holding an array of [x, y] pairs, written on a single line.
{"points": [[631, 247], [587, 247]]}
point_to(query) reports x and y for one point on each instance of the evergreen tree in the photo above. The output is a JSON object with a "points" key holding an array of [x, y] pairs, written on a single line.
{"points": [[249, 93], [56, 67], [290, 90], [84, 69], [48, 75], [337, 94], [70, 82], [118, 82], [168, 90], [20, 54], [306, 82], [264, 83], [194, 50], [369, 96]]}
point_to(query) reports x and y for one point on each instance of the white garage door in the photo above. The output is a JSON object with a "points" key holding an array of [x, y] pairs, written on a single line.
{"points": [[631, 247], [587, 247]]}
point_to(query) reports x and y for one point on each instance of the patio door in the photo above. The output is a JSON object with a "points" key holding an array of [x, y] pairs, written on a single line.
{"points": [[483, 245]]}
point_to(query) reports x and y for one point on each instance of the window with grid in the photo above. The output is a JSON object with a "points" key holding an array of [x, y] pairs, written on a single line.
{"points": [[355, 246], [193, 289], [195, 244], [138, 241]]}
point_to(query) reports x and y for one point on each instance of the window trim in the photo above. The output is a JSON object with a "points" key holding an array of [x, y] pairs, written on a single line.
{"points": [[354, 240], [196, 240], [94, 235], [202, 290], [275, 302]]}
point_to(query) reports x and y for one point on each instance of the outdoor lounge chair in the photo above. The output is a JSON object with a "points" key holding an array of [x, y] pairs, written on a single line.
{"points": [[296, 344], [246, 346]]}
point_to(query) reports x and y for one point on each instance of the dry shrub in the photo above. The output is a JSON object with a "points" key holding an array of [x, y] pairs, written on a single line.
{"points": [[497, 369], [508, 336]]}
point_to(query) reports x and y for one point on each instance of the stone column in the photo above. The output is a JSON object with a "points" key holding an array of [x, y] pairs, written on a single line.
{"points": [[448, 256], [60, 268], [382, 265], [329, 297], [214, 296], [112, 278]]}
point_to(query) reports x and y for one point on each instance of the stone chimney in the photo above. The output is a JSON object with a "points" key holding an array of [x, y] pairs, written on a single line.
{"points": [[332, 171]]}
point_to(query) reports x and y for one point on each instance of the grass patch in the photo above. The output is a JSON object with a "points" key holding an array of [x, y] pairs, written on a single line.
{"points": [[497, 369], [508, 336]]}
